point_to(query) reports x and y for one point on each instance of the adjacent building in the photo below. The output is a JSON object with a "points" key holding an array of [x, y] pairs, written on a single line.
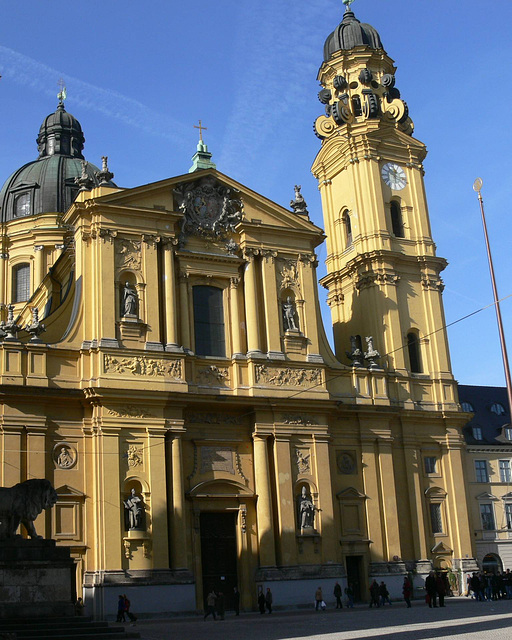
{"points": [[182, 395]]}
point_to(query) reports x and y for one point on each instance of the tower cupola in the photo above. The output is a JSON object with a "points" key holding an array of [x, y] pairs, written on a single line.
{"points": [[351, 33], [60, 134]]}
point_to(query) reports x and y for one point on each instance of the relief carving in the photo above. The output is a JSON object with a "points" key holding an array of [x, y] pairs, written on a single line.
{"points": [[134, 456], [213, 375], [143, 366], [346, 463], [298, 419], [288, 274], [64, 455], [287, 377], [303, 461], [128, 255], [217, 459], [204, 417], [131, 411]]}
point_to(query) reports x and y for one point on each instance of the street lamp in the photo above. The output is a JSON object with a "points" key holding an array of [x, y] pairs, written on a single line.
{"points": [[477, 186]]}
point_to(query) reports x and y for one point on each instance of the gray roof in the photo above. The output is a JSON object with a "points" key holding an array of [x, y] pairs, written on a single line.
{"points": [[483, 403], [351, 33]]}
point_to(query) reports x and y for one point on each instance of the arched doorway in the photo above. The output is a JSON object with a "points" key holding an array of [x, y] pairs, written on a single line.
{"points": [[492, 564]]}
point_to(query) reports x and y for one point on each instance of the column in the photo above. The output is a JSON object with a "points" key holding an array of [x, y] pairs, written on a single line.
{"points": [[38, 267], [103, 306], [285, 502], [271, 306], [330, 543], [264, 504], [171, 333], [3, 282], [389, 505], [251, 306], [36, 457], [184, 314], [178, 524], [416, 498], [152, 297], [312, 322], [157, 478], [373, 504], [236, 346]]}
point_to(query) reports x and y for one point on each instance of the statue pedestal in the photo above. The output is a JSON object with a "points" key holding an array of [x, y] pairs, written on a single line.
{"points": [[37, 579]]}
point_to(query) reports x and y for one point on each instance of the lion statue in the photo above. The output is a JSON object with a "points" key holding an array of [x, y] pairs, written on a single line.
{"points": [[23, 503]]}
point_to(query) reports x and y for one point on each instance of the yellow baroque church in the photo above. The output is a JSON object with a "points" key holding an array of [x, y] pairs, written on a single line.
{"points": [[163, 363]]}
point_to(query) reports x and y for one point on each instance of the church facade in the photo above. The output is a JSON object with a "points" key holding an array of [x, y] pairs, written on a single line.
{"points": [[163, 363]]}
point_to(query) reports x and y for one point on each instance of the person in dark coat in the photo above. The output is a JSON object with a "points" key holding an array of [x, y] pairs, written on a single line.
{"points": [[268, 600], [431, 589], [120, 610], [236, 601], [384, 594], [261, 600], [374, 594], [337, 595], [349, 592], [441, 589], [407, 591]]}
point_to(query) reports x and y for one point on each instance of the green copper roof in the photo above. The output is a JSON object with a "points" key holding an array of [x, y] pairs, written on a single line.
{"points": [[201, 158]]}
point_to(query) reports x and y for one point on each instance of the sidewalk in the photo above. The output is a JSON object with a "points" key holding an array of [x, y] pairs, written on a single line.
{"points": [[462, 618]]}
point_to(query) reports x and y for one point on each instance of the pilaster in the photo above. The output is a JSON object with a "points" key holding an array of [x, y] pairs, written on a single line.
{"points": [[171, 333], [285, 502], [264, 504]]}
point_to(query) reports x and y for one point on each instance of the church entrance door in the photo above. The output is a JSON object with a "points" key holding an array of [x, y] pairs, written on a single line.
{"points": [[219, 554], [354, 575]]}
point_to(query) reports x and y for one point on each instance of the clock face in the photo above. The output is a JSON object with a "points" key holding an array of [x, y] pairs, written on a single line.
{"points": [[394, 176]]}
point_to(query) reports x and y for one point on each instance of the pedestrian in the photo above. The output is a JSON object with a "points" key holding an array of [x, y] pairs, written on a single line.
{"points": [[79, 607], [508, 583], [374, 594], [211, 599], [268, 600], [440, 588], [131, 616], [349, 592], [407, 591], [318, 599], [219, 605], [261, 600], [337, 595], [384, 594], [475, 586], [120, 610], [236, 601], [431, 589]]}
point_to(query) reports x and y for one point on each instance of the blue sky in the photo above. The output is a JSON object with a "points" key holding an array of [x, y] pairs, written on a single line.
{"points": [[140, 75]]}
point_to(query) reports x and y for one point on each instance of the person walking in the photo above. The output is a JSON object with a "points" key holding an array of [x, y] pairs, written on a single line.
{"points": [[384, 594], [268, 600], [120, 610], [440, 588], [337, 595], [431, 589], [127, 605], [374, 594], [236, 601], [407, 591], [318, 599], [349, 592], [211, 599], [261, 600]]}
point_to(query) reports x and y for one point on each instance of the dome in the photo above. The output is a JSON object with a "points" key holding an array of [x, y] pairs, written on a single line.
{"points": [[351, 33], [47, 185]]}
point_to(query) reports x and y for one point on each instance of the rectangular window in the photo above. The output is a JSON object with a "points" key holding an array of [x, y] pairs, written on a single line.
{"points": [[487, 515], [431, 464], [477, 433], [21, 283], [508, 433], [508, 515], [505, 472], [481, 472], [436, 519], [209, 331]]}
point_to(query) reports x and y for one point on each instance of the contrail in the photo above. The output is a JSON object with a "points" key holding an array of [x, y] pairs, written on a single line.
{"points": [[39, 77]]}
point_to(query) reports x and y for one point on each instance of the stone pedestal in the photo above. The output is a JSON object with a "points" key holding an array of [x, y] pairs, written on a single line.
{"points": [[37, 578]]}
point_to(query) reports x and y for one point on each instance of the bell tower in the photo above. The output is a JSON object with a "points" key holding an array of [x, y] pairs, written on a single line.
{"points": [[383, 273]]}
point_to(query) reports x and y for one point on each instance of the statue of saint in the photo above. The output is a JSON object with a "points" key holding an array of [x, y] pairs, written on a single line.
{"points": [[130, 300], [306, 510], [135, 510], [289, 315]]}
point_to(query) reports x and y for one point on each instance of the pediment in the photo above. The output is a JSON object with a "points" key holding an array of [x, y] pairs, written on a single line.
{"points": [[436, 492], [66, 491], [161, 197], [486, 496], [220, 489], [442, 549], [351, 494]]}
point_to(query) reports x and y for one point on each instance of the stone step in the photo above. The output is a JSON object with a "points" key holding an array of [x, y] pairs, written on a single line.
{"points": [[75, 628], [50, 635]]}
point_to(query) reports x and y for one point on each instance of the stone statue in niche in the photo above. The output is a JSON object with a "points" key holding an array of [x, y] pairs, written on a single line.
{"points": [[134, 509], [306, 511], [289, 313], [130, 301]]}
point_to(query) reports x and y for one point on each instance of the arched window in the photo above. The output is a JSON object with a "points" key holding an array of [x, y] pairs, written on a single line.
{"points": [[356, 106], [21, 282], [397, 223], [209, 331], [413, 346], [348, 228]]}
